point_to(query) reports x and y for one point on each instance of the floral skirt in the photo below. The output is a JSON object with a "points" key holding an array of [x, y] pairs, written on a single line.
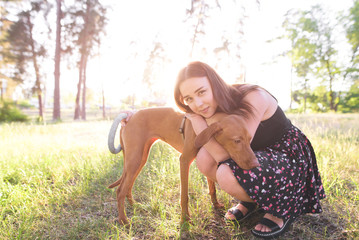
{"points": [[288, 183]]}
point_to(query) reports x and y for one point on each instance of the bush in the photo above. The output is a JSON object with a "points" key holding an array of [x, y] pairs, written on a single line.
{"points": [[10, 113], [24, 104]]}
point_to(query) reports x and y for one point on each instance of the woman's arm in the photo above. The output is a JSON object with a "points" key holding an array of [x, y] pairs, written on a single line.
{"points": [[212, 146]]}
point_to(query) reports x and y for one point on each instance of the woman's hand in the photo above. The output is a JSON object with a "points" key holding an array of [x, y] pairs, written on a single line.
{"points": [[213, 147], [193, 117], [129, 115], [198, 122]]}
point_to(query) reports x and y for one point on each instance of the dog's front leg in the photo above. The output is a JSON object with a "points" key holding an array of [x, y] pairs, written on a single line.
{"points": [[185, 163]]}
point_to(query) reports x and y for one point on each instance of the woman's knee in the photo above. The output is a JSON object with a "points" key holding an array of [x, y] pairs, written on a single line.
{"points": [[205, 163], [228, 183], [225, 178]]}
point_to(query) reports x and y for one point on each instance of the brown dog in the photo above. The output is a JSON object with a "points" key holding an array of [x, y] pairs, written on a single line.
{"points": [[148, 125]]}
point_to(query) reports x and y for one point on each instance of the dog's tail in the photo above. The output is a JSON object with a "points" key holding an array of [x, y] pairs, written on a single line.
{"points": [[115, 183], [112, 134]]}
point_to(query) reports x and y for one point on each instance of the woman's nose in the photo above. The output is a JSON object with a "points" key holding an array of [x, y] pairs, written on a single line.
{"points": [[198, 102]]}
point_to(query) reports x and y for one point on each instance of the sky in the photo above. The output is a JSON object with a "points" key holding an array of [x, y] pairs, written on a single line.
{"points": [[134, 25]]}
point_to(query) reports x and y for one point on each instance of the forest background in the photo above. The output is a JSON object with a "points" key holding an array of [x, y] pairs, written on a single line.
{"points": [[89, 54]]}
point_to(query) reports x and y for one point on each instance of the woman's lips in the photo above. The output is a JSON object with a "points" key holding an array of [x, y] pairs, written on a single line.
{"points": [[204, 111]]}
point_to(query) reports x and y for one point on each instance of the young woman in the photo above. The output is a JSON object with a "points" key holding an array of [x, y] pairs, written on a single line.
{"points": [[287, 184]]}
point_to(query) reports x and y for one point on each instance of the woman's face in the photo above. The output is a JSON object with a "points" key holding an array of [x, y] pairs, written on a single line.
{"points": [[197, 94]]}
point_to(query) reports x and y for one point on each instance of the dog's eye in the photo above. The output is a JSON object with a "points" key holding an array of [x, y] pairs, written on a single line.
{"points": [[237, 141]]}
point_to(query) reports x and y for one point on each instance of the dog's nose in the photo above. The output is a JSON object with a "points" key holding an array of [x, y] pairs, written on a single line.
{"points": [[255, 163]]}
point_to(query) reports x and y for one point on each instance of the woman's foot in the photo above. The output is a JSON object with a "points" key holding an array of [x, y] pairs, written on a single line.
{"points": [[262, 228], [270, 227], [240, 211]]}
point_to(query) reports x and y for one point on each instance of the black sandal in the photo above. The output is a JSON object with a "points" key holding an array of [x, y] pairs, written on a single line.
{"points": [[238, 214], [276, 230]]}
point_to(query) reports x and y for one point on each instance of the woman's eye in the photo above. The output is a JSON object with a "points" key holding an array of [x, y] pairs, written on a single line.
{"points": [[188, 100], [201, 93]]}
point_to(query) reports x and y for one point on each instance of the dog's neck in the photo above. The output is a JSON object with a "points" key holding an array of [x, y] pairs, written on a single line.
{"points": [[181, 128], [216, 117]]}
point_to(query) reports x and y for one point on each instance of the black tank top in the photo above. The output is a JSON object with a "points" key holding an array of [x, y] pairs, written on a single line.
{"points": [[270, 130]]}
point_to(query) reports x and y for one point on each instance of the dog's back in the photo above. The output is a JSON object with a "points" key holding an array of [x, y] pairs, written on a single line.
{"points": [[151, 124]]}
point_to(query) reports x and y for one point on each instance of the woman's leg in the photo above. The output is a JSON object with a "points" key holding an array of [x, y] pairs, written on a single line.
{"points": [[206, 164], [230, 185]]}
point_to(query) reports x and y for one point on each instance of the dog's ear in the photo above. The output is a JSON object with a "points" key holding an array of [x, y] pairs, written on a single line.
{"points": [[206, 134]]}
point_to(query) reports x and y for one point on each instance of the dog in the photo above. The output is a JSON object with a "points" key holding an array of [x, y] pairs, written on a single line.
{"points": [[148, 125]]}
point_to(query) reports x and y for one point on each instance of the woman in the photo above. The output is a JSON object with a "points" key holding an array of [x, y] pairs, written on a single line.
{"points": [[287, 184]]}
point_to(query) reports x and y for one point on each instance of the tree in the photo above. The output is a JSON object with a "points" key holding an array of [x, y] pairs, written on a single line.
{"points": [[198, 13], [88, 23], [352, 34], [56, 115], [227, 49], [351, 98], [22, 48], [313, 53], [350, 101], [154, 64]]}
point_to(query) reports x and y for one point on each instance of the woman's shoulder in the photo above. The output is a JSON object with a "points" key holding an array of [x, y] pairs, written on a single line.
{"points": [[253, 90], [245, 86], [263, 102], [258, 95]]}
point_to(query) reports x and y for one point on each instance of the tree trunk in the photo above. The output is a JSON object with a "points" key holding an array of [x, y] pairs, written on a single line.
{"points": [[2, 91], [305, 95], [82, 68], [103, 103], [56, 114], [291, 87], [36, 67], [79, 85], [83, 112], [331, 93], [199, 23]]}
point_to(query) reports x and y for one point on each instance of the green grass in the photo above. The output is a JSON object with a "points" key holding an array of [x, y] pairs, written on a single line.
{"points": [[54, 178]]}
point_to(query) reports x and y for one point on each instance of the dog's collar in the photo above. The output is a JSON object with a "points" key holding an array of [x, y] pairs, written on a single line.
{"points": [[181, 128]]}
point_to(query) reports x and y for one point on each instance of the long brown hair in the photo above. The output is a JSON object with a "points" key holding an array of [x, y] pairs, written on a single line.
{"points": [[228, 97]]}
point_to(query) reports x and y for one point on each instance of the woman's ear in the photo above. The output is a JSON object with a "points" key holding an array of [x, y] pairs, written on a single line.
{"points": [[206, 134]]}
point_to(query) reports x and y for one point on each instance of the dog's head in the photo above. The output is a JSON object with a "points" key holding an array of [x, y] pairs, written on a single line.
{"points": [[232, 134]]}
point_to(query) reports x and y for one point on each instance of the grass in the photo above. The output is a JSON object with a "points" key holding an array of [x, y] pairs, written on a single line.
{"points": [[54, 178]]}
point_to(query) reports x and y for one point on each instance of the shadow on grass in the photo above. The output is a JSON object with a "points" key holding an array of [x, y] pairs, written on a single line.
{"points": [[87, 213], [327, 225]]}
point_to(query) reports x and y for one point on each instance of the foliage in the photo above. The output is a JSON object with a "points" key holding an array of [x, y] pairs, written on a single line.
{"points": [[316, 100], [10, 113], [313, 53], [24, 104], [353, 32], [350, 101], [88, 19], [23, 48]]}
